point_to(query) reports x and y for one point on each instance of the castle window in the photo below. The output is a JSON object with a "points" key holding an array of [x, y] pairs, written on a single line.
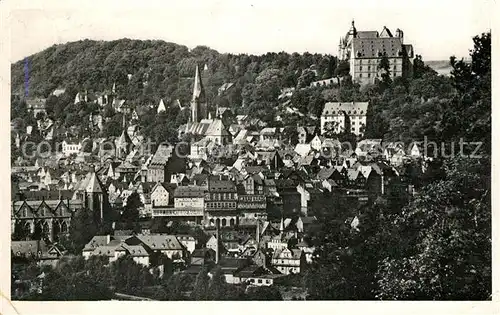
{"points": [[360, 75], [368, 74], [360, 68]]}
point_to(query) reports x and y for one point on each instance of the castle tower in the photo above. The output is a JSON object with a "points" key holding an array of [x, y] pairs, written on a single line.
{"points": [[198, 102]]}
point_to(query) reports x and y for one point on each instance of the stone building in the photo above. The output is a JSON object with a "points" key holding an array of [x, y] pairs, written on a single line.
{"points": [[365, 49]]}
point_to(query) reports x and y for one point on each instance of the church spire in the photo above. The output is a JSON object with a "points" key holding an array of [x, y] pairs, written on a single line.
{"points": [[198, 92], [198, 102]]}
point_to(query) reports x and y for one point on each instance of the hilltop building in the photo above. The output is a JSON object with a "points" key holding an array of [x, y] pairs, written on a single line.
{"points": [[365, 49]]}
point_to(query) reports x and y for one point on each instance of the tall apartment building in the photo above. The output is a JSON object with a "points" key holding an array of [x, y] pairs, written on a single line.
{"points": [[365, 49]]}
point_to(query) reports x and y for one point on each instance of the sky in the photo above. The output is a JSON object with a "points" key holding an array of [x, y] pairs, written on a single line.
{"points": [[437, 29]]}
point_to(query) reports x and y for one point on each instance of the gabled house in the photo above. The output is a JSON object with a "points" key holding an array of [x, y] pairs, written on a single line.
{"points": [[162, 195], [289, 261]]}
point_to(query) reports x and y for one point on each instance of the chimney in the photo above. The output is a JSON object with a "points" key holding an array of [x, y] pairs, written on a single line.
{"points": [[217, 253]]}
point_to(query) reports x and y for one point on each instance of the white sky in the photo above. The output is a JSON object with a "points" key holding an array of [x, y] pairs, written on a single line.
{"points": [[437, 29]]}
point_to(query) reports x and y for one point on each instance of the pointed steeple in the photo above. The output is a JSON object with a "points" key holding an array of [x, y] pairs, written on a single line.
{"points": [[92, 182], [114, 88], [161, 107], [198, 92], [198, 102]]}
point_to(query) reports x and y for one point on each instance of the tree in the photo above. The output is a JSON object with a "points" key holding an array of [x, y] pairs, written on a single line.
{"points": [[384, 67], [131, 210], [420, 68], [264, 294], [81, 231], [112, 127], [291, 134], [469, 113], [175, 286], [343, 69], [306, 78], [199, 292], [447, 255], [129, 277], [217, 287], [73, 280]]}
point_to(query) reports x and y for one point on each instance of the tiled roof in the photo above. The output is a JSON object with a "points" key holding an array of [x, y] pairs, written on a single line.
{"points": [[190, 191], [221, 185], [376, 47], [350, 108], [162, 155], [161, 242], [217, 128]]}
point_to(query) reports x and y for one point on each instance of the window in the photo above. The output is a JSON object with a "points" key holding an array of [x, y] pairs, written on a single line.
{"points": [[360, 68], [368, 68], [259, 281], [360, 75], [368, 74]]}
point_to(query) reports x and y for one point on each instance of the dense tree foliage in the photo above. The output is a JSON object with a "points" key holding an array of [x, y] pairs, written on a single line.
{"points": [[81, 231]]}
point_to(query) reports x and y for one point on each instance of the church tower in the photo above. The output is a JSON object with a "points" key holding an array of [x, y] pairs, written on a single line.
{"points": [[198, 102], [94, 195]]}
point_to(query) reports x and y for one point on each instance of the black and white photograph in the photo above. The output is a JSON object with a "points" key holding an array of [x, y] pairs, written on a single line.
{"points": [[249, 151]]}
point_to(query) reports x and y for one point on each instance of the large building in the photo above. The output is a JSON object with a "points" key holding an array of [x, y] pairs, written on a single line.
{"points": [[365, 49], [343, 116]]}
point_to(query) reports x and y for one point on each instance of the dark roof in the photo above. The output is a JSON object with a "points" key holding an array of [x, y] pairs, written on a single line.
{"points": [[254, 169], [375, 47], [221, 185], [190, 191], [202, 252], [48, 194], [232, 263]]}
